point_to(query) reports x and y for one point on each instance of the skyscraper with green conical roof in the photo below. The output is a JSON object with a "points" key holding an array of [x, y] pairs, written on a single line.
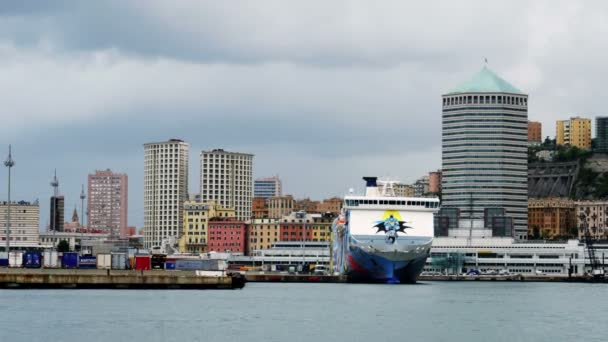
{"points": [[484, 154]]}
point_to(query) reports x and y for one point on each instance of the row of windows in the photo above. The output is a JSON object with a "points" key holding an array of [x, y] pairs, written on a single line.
{"points": [[519, 128], [466, 197], [485, 99], [485, 163], [484, 144], [482, 156], [425, 204], [485, 132], [446, 172], [523, 140], [492, 180], [476, 120]]}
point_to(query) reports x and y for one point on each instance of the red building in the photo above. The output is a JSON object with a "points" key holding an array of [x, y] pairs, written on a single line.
{"points": [[227, 236]]}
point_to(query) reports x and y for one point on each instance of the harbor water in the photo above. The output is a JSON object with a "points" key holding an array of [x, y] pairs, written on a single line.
{"points": [[428, 311]]}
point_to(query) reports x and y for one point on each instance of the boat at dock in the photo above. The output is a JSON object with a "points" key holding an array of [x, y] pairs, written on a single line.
{"points": [[380, 237]]}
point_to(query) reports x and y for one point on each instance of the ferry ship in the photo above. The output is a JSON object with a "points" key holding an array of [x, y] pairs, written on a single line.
{"points": [[382, 238]]}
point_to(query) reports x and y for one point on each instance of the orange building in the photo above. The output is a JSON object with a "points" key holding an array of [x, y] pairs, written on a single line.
{"points": [[535, 132], [331, 205], [259, 207], [550, 217], [435, 182]]}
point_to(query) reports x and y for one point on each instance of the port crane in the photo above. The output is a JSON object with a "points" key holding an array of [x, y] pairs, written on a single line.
{"points": [[597, 269]]}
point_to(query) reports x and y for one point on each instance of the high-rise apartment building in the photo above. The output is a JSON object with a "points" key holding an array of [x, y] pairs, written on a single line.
{"points": [[601, 134], [267, 187], [108, 201], [25, 220], [484, 150], [226, 178], [574, 132], [165, 189], [535, 134], [57, 213]]}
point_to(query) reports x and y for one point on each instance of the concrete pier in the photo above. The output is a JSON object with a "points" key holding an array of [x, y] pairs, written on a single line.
{"points": [[115, 279], [293, 278]]}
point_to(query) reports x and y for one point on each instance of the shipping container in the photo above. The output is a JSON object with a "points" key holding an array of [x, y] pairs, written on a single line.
{"points": [[142, 262], [3, 259], [15, 259], [200, 264], [210, 273], [158, 261], [32, 259], [50, 259], [87, 261], [119, 261], [170, 264], [69, 260], [104, 261]]}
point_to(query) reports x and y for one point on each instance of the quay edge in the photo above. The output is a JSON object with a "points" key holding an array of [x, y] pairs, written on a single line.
{"points": [[105, 279]]}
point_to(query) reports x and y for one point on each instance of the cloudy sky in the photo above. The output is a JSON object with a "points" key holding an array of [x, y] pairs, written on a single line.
{"points": [[322, 92]]}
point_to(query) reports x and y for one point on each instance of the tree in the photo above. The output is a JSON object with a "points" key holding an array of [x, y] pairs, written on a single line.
{"points": [[63, 246], [536, 232]]}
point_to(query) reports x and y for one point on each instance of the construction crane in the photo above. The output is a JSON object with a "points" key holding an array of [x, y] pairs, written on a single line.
{"points": [[597, 270]]}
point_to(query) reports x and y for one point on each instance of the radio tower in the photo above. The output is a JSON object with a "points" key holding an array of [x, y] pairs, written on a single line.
{"points": [[82, 197], [55, 185]]}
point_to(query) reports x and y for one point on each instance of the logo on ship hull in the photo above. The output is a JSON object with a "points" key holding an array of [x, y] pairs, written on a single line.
{"points": [[391, 224]]}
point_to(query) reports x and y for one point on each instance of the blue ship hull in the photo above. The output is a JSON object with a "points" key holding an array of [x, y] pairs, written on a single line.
{"points": [[369, 267]]}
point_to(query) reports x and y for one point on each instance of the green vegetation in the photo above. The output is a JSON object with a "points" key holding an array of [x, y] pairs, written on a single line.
{"points": [[63, 246]]}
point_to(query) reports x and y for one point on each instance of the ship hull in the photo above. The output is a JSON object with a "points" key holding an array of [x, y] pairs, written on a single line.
{"points": [[404, 272], [385, 267], [371, 259]]}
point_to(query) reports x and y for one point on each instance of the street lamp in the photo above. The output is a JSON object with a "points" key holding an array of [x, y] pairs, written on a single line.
{"points": [[9, 162], [82, 197]]}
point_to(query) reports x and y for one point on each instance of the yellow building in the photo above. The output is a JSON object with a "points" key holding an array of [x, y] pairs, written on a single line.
{"points": [[574, 132], [321, 229], [194, 234], [262, 233]]}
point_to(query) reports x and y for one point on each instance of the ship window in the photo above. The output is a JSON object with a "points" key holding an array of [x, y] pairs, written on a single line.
{"points": [[409, 202], [391, 202]]}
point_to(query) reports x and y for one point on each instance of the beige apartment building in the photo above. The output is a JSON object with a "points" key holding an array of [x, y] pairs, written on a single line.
{"points": [[195, 233], [262, 233], [25, 220], [165, 190], [592, 215], [280, 206]]}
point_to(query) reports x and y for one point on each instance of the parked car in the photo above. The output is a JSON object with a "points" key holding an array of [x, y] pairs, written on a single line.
{"points": [[473, 272]]}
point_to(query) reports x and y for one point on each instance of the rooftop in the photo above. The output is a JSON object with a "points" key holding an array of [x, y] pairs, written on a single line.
{"points": [[485, 81]]}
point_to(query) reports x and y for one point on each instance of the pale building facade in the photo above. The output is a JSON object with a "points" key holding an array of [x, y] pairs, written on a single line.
{"points": [[227, 178], [25, 220], [262, 234], [195, 232], [165, 190], [592, 215], [280, 206]]}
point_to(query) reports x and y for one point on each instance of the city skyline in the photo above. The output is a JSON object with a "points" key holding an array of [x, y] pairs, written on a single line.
{"points": [[304, 102]]}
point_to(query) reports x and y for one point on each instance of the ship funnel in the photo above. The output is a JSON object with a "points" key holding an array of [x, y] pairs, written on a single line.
{"points": [[371, 188]]}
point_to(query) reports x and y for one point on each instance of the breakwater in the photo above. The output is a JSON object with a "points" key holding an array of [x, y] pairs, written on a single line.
{"points": [[116, 279]]}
